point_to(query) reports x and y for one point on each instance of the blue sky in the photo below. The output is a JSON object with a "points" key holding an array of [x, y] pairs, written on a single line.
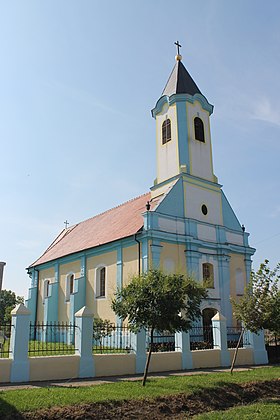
{"points": [[77, 82]]}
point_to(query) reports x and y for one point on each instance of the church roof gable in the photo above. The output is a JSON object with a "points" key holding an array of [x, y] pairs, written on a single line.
{"points": [[116, 223], [180, 81]]}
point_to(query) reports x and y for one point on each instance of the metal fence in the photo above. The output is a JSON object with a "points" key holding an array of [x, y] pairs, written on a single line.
{"points": [[111, 338], [233, 334], [161, 341], [201, 338], [51, 339], [5, 336]]}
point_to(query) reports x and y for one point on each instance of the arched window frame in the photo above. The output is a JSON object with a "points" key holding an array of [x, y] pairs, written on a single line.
{"points": [[199, 129], [166, 131], [208, 275], [69, 286], [100, 282], [46, 288]]}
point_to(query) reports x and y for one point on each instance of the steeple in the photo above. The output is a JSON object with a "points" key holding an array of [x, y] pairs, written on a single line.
{"points": [[183, 129], [180, 81]]}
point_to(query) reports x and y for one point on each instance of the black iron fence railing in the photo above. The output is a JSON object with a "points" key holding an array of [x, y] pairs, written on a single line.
{"points": [[233, 335], [5, 336], [51, 339], [161, 341], [111, 339], [201, 338]]}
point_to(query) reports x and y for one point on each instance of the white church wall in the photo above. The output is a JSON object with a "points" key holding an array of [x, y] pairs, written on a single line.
{"points": [[205, 232], [167, 154], [200, 153], [195, 197], [234, 238]]}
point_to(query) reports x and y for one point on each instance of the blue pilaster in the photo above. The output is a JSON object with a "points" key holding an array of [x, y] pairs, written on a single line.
{"points": [[145, 255], [224, 284], [192, 259], [78, 298], [119, 275], [182, 125], [156, 249]]}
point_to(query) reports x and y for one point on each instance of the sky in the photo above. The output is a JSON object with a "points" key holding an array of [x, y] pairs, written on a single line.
{"points": [[78, 80]]}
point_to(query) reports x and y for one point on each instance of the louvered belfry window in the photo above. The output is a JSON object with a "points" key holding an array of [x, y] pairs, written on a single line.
{"points": [[199, 129], [166, 131]]}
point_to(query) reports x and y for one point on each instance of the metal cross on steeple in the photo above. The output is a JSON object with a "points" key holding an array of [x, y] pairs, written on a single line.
{"points": [[178, 47], [66, 223]]}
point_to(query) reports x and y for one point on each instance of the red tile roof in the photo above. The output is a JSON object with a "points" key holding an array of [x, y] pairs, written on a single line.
{"points": [[119, 222]]}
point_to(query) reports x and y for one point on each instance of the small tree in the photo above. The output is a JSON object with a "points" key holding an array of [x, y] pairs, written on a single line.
{"points": [[159, 302], [259, 307], [8, 300], [101, 329]]}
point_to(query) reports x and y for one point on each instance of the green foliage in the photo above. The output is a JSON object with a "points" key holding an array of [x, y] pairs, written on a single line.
{"points": [[8, 300], [259, 307], [159, 301], [101, 328]]}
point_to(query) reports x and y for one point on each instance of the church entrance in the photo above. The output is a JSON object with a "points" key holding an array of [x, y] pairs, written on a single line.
{"points": [[207, 315]]}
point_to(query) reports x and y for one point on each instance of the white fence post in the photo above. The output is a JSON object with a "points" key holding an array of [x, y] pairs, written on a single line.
{"points": [[83, 342], [19, 344], [256, 341], [182, 344], [219, 324]]}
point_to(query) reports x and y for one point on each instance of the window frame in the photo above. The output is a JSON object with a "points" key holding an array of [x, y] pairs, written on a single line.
{"points": [[46, 289], [101, 281], [166, 131], [208, 280], [69, 286], [199, 133]]}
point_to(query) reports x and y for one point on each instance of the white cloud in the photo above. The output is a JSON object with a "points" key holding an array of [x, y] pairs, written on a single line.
{"points": [[265, 111]]}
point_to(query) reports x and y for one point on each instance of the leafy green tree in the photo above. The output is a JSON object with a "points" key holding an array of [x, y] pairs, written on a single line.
{"points": [[101, 329], [8, 300], [259, 307], [159, 302]]}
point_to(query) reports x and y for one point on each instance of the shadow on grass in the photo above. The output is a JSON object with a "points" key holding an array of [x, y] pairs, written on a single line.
{"points": [[8, 411]]}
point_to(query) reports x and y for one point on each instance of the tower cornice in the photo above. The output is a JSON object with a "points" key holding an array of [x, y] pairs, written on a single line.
{"points": [[182, 97]]}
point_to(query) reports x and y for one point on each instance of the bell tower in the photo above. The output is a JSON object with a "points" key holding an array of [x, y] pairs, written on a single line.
{"points": [[183, 138]]}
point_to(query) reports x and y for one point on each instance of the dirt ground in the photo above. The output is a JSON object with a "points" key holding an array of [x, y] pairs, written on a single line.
{"points": [[174, 406]]}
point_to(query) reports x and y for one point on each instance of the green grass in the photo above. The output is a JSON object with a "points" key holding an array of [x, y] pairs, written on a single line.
{"points": [[263, 410], [32, 399]]}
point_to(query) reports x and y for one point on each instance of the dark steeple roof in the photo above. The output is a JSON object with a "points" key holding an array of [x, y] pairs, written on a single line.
{"points": [[180, 81]]}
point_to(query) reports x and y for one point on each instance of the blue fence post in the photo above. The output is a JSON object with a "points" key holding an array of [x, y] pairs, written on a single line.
{"points": [[182, 344], [83, 342], [219, 324], [139, 346], [256, 341], [19, 343]]}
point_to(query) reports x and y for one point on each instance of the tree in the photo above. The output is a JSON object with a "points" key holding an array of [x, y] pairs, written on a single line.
{"points": [[159, 302], [101, 329], [8, 300], [259, 307]]}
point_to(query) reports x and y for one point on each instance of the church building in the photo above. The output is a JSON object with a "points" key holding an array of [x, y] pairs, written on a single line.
{"points": [[183, 224]]}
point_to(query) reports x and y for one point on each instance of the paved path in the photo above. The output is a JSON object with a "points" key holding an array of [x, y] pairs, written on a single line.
{"points": [[112, 379]]}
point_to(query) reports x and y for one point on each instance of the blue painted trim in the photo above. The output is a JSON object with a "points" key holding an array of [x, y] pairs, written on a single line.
{"points": [[183, 141], [187, 178], [182, 97]]}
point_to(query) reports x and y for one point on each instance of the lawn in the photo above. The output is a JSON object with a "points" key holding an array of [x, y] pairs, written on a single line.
{"points": [[33, 399], [264, 410]]}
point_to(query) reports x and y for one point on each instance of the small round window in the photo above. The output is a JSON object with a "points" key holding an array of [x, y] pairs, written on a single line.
{"points": [[204, 209]]}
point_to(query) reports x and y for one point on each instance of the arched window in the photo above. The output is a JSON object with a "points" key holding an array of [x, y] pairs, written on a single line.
{"points": [[239, 282], [101, 282], [166, 131], [208, 275], [199, 129], [69, 287], [46, 291]]}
